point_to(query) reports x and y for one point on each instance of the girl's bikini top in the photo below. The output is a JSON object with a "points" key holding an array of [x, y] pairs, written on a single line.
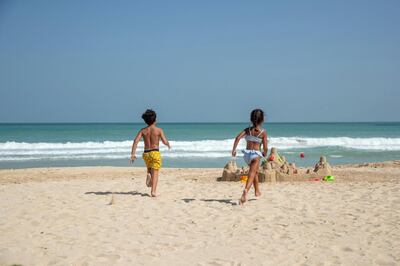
{"points": [[252, 138]]}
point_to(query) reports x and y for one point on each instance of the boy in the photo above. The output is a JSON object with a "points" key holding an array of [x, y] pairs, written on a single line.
{"points": [[151, 155]]}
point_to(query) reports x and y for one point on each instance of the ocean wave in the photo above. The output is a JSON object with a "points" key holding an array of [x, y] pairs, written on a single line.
{"points": [[392, 144], [108, 156], [19, 151]]}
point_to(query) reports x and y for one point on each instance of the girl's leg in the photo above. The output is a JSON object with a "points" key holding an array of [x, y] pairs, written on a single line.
{"points": [[256, 184], [252, 173], [154, 181]]}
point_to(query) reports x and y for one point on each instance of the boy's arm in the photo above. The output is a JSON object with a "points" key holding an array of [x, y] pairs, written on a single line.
{"points": [[164, 139], [265, 144], [134, 146], [237, 139]]}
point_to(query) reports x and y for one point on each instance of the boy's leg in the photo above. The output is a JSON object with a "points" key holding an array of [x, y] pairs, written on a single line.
{"points": [[148, 178], [250, 179], [154, 181]]}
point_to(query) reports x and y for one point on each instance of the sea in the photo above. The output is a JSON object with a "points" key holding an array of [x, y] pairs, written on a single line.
{"points": [[194, 145]]}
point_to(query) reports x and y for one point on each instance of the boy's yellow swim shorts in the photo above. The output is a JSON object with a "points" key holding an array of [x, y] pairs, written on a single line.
{"points": [[152, 159]]}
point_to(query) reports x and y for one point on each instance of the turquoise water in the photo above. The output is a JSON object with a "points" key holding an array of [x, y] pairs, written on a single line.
{"points": [[193, 144]]}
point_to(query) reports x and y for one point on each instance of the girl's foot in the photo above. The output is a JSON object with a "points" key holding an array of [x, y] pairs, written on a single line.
{"points": [[257, 193], [153, 194], [243, 199], [148, 180]]}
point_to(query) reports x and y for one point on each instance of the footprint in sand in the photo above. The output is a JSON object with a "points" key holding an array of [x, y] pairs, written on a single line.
{"points": [[35, 223], [347, 249]]}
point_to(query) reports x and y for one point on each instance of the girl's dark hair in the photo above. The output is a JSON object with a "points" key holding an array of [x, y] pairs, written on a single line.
{"points": [[257, 117], [149, 117]]}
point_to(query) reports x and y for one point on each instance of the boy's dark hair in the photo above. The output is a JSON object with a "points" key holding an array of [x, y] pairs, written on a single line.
{"points": [[257, 117], [149, 117]]}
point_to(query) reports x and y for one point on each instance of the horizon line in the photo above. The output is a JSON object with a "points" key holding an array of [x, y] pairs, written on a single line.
{"points": [[186, 122]]}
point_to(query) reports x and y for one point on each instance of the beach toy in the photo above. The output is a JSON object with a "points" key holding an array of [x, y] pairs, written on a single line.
{"points": [[329, 178], [243, 178], [271, 158], [302, 155]]}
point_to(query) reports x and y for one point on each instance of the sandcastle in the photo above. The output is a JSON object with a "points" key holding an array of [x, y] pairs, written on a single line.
{"points": [[232, 172], [322, 168], [276, 168]]}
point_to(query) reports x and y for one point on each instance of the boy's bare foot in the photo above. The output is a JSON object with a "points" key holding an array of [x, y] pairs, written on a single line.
{"points": [[148, 180], [243, 198], [153, 194], [257, 193]]}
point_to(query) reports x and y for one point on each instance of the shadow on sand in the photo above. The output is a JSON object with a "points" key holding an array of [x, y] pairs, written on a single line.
{"points": [[232, 202], [132, 193]]}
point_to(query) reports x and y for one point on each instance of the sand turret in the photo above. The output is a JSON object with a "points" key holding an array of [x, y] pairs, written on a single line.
{"points": [[285, 166], [292, 169], [322, 168], [229, 173], [274, 160]]}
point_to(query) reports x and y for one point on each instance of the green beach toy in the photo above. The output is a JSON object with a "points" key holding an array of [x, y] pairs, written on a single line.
{"points": [[329, 178]]}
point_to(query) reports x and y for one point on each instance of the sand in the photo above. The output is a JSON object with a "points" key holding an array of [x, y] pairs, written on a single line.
{"points": [[63, 216]]}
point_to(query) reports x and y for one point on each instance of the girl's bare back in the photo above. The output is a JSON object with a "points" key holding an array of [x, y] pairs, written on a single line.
{"points": [[255, 132]]}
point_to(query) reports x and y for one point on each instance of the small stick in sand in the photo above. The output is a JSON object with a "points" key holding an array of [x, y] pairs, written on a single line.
{"points": [[112, 201]]}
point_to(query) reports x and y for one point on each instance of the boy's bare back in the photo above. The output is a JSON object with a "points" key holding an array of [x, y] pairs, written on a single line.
{"points": [[151, 137]]}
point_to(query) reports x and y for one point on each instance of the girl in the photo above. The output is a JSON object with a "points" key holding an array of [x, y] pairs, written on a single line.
{"points": [[254, 136]]}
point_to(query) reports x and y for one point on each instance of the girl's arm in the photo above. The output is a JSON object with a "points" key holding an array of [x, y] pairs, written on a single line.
{"points": [[134, 146], [237, 139], [265, 143]]}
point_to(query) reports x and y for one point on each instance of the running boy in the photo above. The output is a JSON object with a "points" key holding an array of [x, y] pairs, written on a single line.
{"points": [[151, 155]]}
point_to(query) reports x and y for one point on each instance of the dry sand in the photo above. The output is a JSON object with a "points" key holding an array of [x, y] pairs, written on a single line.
{"points": [[62, 216]]}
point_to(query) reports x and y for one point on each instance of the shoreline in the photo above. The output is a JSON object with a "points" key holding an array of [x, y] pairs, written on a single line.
{"points": [[371, 172]]}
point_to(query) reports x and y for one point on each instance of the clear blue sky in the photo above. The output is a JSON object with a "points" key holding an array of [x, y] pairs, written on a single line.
{"points": [[93, 61]]}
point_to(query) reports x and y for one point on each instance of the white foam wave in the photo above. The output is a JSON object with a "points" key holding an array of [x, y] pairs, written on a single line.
{"points": [[343, 142], [20, 151], [115, 156]]}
